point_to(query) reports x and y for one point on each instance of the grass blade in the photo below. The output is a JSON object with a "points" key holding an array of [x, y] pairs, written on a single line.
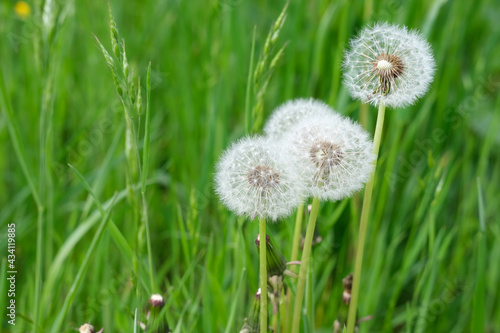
{"points": [[478, 312], [234, 305], [83, 269]]}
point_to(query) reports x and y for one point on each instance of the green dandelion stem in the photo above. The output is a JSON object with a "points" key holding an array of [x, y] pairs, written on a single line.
{"points": [[296, 233], [351, 320], [294, 257], [299, 296], [263, 275]]}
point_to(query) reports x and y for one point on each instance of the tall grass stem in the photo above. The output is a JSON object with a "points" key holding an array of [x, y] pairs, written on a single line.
{"points": [[145, 165], [83, 269], [248, 113], [478, 309]]}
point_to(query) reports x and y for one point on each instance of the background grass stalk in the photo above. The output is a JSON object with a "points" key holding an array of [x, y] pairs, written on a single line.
{"points": [[478, 311], [145, 164], [299, 297], [263, 276], [351, 320], [83, 268], [248, 114]]}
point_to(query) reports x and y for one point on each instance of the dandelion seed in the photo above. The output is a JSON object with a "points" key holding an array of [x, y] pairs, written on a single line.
{"points": [[388, 65], [290, 113], [252, 180], [332, 155]]}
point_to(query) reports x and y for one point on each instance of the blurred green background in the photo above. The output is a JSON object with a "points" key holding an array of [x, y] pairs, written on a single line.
{"points": [[423, 269]]}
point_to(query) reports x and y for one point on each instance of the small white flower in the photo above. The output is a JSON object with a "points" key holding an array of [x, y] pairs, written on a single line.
{"points": [[332, 155], [252, 180], [388, 64], [290, 113]]}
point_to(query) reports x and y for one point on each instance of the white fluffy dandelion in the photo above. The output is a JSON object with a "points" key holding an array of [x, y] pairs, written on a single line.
{"points": [[290, 113], [252, 180], [388, 65], [332, 154]]}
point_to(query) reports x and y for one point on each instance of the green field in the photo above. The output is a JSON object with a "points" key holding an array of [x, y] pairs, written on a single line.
{"points": [[85, 250]]}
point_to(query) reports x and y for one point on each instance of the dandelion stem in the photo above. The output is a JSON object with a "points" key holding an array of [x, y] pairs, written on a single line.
{"points": [[296, 233], [299, 296], [263, 275], [293, 257], [351, 319]]}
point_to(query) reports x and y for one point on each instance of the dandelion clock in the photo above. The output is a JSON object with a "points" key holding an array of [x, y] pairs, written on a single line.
{"points": [[252, 180], [332, 155], [388, 65], [292, 112]]}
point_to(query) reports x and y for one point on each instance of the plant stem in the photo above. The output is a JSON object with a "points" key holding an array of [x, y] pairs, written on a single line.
{"points": [[296, 233], [68, 301], [293, 257], [144, 176], [15, 136], [248, 114], [299, 296], [351, 319], [263, 275]]}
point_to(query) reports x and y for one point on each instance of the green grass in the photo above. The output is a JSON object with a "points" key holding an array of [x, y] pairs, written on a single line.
{"points": [[432, 251]]}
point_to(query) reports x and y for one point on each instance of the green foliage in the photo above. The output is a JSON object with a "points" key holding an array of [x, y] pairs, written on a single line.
{"points": [[59, 106]]}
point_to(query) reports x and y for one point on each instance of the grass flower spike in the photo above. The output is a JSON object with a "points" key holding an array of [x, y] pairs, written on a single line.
{"points": [[251, 180], [388, 65], [332, 154], [292, 112]]}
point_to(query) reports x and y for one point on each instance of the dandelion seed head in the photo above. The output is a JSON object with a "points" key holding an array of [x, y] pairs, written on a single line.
{"points": [[331, 155], [253, 180], [388, 64], [290, 113]]}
